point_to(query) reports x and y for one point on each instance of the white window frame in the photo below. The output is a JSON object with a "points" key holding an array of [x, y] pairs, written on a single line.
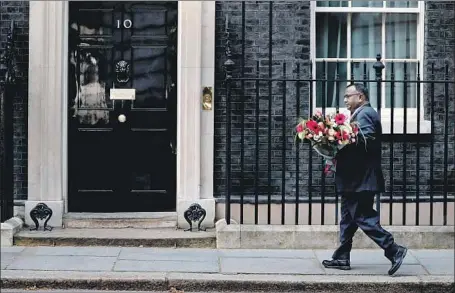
{"points": [[411, 121]]}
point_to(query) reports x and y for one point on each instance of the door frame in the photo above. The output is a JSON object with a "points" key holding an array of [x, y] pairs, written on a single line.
{"points": [[48, 114]]}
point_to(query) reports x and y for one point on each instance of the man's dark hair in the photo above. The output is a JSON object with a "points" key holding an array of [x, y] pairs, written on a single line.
{"points": [[361, 89]]}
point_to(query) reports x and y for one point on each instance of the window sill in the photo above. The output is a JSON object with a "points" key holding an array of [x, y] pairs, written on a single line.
{"points": [[398, 121], [411, 127]]}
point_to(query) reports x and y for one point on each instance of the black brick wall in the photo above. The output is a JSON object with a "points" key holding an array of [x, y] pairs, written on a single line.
{"points": [[440, 50], [18, 11], [291, 43]]}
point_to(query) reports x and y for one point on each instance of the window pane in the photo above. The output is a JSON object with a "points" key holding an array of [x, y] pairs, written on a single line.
{"points": [[411, 88], [401, 36], [366, 35], [374, 3], [361, 73], [331, 35], [331, 90], [402, 4], [332, 3]]}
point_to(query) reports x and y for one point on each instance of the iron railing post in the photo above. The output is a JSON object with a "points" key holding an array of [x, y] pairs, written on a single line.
{"points": [[432, 121], [228, 67], [405, 144], [446, 143], [378, 67], [391, 144], [417, 218]]}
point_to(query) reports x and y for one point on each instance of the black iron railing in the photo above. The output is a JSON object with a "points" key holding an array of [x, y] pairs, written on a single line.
{"points": [[264, 167]]}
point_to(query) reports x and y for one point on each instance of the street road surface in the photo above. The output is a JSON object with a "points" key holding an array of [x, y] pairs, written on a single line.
{"points": [[83, 291], [96, 291], [31, 290]]}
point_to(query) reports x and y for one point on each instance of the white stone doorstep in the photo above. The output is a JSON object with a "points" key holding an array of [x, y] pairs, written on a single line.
{"points": [[8, 229]]}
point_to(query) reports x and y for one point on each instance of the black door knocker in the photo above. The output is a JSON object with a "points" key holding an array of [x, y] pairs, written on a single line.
{"points": [[122, 71]]}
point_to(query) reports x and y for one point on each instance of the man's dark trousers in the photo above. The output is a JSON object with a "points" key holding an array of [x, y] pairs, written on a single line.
{"points": [[357, 212]]}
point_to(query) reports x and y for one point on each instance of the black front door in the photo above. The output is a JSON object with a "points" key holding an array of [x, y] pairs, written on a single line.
{"points": [[121, 146]]}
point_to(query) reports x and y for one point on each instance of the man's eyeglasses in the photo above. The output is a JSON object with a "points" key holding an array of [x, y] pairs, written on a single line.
{"points": [[348, 96]]}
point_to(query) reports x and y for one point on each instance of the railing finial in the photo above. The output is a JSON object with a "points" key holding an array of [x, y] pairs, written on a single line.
{"points": [[378, 66]]}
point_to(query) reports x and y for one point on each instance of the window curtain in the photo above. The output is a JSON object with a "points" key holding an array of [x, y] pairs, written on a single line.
{"points": [[401, 43], [366, 42], [331, 43]]}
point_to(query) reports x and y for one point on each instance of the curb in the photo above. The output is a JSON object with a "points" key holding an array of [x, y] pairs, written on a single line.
{"points": [[227, 283]]}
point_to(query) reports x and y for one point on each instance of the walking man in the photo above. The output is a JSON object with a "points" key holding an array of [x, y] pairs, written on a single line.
{"points": [[358, 178]]}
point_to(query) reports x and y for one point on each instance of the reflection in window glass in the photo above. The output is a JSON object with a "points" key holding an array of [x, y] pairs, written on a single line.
{"points": [[94, 23], [149, 22], [149, 77], [331, 90], [402, 4], [331, 35], [366, 35], [399, 87], [332, 3], [401, 36], [361, 73], [374, 3], [366, 41], [91, 101]]}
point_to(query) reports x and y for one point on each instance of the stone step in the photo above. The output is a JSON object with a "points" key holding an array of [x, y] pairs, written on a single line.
{"points": [[120, 220], [131, 237]]}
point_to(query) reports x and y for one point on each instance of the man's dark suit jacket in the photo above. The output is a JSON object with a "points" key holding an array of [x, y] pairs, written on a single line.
{"points": [[358, 166]]}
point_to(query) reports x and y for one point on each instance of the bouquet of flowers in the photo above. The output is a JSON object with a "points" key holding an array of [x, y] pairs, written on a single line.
{"points": [[327, 135]]}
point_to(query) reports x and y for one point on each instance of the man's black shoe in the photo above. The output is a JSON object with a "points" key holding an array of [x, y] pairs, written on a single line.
{"points": [[397, 259], [341, 264]]}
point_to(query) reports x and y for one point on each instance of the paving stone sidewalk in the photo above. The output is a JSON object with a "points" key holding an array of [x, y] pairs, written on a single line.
{"points": [[212, 261]]}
